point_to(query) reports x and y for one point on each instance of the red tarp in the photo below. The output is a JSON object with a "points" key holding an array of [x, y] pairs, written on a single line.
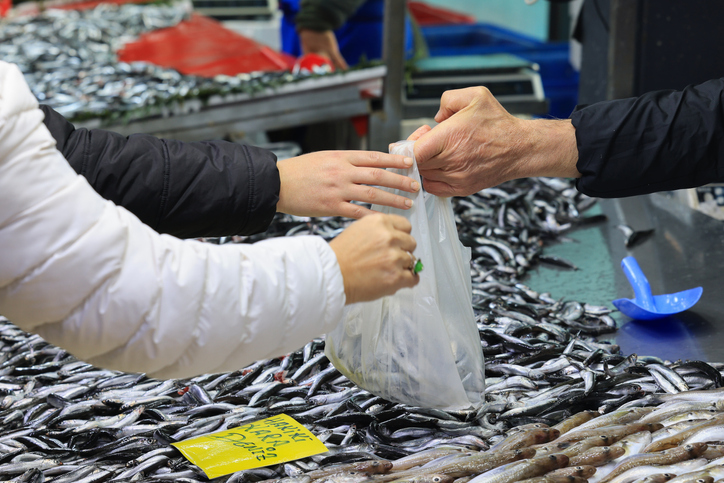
{"points": [[5, 6], [198, 46], [428, 15], [202, 46]]}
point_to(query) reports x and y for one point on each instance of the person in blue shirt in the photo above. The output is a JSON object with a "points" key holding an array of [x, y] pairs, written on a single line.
{"points": [[345, 31]]}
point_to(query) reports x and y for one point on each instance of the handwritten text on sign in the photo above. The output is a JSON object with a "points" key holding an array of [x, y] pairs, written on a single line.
{"points": [[266, 442]]}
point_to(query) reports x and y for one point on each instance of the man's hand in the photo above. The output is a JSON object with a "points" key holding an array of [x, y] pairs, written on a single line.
{"points": [[324, 183], [324, 44], [374, 257], [478, 144]]}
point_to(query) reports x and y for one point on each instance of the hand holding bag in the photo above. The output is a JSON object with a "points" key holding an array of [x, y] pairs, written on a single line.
{"points": [[420, 346]]}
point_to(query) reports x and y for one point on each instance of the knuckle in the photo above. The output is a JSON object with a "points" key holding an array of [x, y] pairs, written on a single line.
{"points": [[405, 224], [333, 170], [388, 238], [356, 212], [482, 91], [376, 174], [383, 245], [376, 219], [371, 193]]}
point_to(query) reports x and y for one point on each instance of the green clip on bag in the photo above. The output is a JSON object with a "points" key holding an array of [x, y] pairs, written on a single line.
{"points": [[420, 346]]}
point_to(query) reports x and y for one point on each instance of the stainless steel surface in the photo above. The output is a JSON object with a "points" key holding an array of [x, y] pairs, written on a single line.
{"points": [[305, 102], [385, 124], [686, 251]]}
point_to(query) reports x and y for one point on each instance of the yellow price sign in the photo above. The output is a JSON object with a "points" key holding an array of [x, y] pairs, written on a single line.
{"points": [[262, 443]]}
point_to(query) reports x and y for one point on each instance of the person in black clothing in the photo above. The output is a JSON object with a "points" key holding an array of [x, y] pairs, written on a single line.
{"points": [[663, 140], [218, 188]]}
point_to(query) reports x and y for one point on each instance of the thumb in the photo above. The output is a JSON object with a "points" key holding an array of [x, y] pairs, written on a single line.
{"points": [[454, 101], [438, 188], [419, 132], [428, 146]]}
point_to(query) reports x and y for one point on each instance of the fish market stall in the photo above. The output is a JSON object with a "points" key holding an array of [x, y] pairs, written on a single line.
{"points": [[299, 102], [559, 397], [69, 60], [574, 391]]}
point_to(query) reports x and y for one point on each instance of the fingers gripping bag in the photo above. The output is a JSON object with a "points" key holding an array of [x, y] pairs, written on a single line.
{"points": [[420, 346]]}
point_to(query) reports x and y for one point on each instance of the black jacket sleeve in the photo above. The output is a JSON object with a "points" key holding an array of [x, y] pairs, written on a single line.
{"points": [[321, 15], [188, 190], [663, 140]]}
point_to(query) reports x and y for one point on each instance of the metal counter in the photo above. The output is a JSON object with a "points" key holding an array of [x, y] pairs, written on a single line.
{"points": [[685, 251], [308, 101]]}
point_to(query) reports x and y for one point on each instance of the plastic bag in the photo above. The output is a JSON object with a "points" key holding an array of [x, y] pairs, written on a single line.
{"points": [[420, 346]]}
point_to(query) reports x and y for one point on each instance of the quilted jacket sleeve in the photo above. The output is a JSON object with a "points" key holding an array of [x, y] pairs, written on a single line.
{"points": [[189, 190], [88, 276]]}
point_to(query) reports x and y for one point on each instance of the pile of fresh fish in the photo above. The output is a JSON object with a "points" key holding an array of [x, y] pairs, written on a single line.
{"points": [[669, 442], [546, 376], [69, 60]]}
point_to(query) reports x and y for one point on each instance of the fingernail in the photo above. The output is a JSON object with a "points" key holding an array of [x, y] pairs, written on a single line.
{"points": [[407, 161], [408, 203], [415, 186]]}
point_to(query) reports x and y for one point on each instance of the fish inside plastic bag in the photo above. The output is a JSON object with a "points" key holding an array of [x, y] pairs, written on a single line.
{"points": [[420, 346]]}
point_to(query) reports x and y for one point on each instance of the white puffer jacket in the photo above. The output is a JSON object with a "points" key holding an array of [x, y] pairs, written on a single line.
{"points": [[88, 276]]}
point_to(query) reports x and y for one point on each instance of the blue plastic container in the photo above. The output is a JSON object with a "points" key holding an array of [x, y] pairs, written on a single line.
{"points": [[560, 80]]}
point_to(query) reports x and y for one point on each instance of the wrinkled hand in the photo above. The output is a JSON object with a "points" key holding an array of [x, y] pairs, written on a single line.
{"points": [[478, 144], [324, 44], [373, 256], [324, 183]]}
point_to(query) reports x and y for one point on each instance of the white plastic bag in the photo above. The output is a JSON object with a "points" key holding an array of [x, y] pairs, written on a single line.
{"points": [[421, 346]]}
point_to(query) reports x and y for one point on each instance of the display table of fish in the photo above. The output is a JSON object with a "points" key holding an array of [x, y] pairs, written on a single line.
{"points": [[547, 378], [68, 58], [678, 440]]}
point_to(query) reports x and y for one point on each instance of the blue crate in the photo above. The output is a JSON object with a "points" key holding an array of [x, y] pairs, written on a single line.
{"points": [[479, 38], [560, 80]]}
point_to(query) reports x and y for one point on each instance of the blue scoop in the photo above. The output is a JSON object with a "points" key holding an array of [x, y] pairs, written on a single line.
{"points": [[645, 306]]}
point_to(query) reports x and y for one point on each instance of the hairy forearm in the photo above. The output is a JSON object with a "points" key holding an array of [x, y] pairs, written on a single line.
{"points": [[548, 148]]}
